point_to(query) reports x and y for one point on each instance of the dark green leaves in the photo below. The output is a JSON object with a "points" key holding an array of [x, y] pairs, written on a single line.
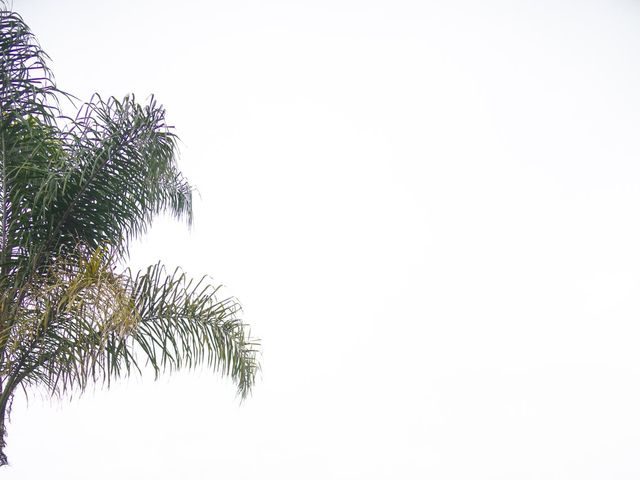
{"points": [[183, 324], [121, 172], [26, 85]]}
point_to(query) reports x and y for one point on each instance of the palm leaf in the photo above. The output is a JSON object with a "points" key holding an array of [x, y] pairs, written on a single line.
{"points": [[183, 324], [90, 324]]}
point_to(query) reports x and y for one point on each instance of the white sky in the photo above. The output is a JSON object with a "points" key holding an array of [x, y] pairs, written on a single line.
{"points": [[430, 211]]}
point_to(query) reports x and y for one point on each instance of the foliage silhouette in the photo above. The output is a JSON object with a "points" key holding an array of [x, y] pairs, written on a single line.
{"points": [[73, 193]]}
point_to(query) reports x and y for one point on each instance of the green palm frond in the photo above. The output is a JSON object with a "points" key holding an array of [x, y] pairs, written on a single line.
{"points": [[90, 324], [27, 84], [183, 324], [121, 173], [98, 183]]}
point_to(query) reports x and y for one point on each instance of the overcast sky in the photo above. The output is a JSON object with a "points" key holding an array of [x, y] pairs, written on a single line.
{"points": [[430, 212]]}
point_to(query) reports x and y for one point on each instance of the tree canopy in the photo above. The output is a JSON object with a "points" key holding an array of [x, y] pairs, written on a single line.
{"points": [[74, 192]]}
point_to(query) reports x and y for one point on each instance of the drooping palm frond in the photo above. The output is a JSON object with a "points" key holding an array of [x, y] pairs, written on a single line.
{"points": [[183, 324], [98, 183], [90, 324], [65, 323], [27, 86], [121, 173]]}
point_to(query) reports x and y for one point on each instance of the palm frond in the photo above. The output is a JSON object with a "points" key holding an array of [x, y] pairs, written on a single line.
{"points": [[183, 324], [27, 86], [122, 172], [89, 324], [67, 322]]}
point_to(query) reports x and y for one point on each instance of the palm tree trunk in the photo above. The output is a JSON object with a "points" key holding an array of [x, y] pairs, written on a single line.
{"points": [[3, 443], [7, 386], [4, 401]]}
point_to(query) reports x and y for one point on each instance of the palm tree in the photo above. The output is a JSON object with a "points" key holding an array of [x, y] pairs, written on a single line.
{"points": [[73, 193]]}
